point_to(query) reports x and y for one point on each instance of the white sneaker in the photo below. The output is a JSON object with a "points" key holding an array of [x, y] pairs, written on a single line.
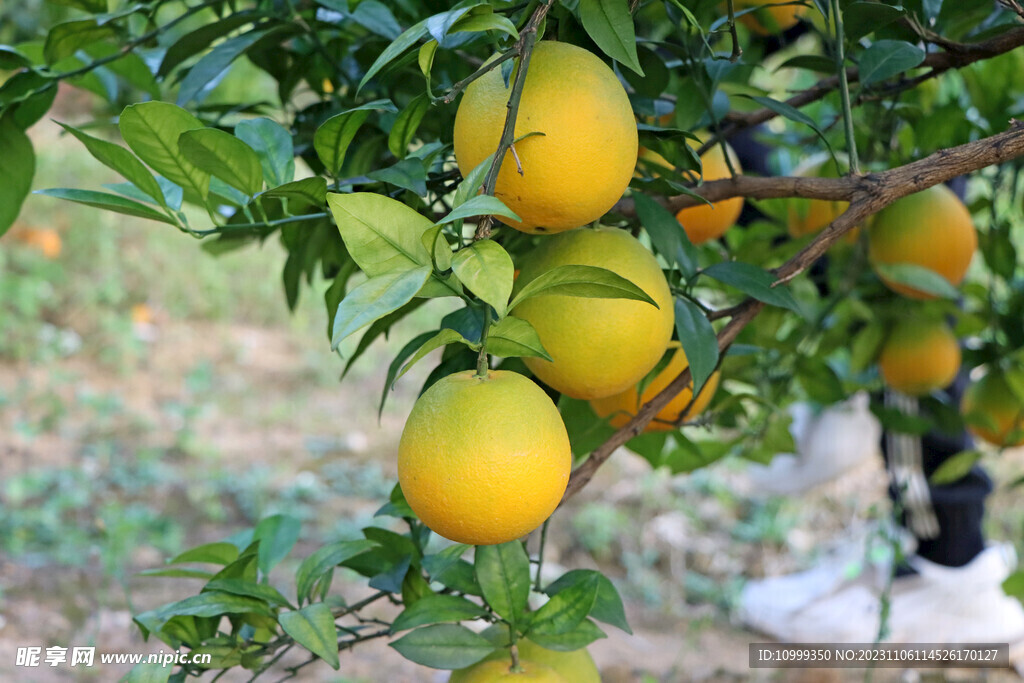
{"points": [[829, 444], [937, 605]]}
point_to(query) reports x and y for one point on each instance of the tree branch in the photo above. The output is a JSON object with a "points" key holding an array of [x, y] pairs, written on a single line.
{"points": [[957, 55], [867, 194]]}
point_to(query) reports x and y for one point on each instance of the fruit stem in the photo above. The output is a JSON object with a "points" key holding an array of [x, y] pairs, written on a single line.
{"points": [[540, 552], [737, 51], [844, 87], [483, 365], [524, 48], [516, 667]]}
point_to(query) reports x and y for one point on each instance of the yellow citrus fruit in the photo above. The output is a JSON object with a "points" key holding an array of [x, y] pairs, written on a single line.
{"points": [[500, 670], [598, 347], [919, 356], [576, 171], [932, 229], [575, 667], [484, 461], [773, 18], [622, 407], [703, 222], [998, 413]]}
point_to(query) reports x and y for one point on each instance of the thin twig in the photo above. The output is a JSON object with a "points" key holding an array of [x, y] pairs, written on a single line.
{"points": [[737, 51], [844, 87], [486, 68], [867, 194]]}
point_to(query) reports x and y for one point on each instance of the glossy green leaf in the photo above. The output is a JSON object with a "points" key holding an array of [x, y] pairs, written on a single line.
{"points": [[211, 604], [332, 139], [176, 573], [223, 156], [402, 43], [209, 553], [443, 646], [437, 609], [16, 171], [610, 25], [322, 561], [514, 337], [667, 235], [108, 202], [486, 269], [753, 281], [955, 468], [207, 71], [313, 628], [374, 299], [64, 40], [566, 609], [409, 174], [608, 605], [273, 145], [861, 18], [577, 638], [196, 41], [888, 58], [405, 126], [865, 346], [121, 160], [308, 191], [698, 340], [260, 591], [151, 130], [485, 21], [584, 281], [917, 277], [503, 572], [480, 205], [1014, 585], [277, 535], [374, 16], [442, 338], [382, 234]]}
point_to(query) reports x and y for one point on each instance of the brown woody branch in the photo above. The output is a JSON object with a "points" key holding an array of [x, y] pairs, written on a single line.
{"points": [[956, 56], [867, 194]]}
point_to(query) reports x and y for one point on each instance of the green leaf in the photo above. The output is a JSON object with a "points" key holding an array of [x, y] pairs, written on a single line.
{"points": [[64, 40], [442, 338], [513, 338], [434, 241], [409, 174], [667, 235], [436, 564], [198, 40], [382, 234], [586, 430], [471, 184], [610, 25], [437, 609], [954, 468], [698, 340], [322, 561], [16, 171], [862, 18], [176, 573], [374, 299], [584, 634], [486, 269], [791, 113], [397, 506], [917, 277], [207, 71], [608, 605], [121, 160], [148, 673], [110, 202], [260, 591], [277, 535], [888, 58], [566, 609], [396, 365], [402, 43], [481, 205], [819, 380], [313, 628], [210, 553], [865, 346], [12, 59], [405, 126], [151, 130], [212, 604], [584, 281], [333, 137], [503, 572], [308, 191], [224, 156], [487, 20], [443, 646], [273, 145], [754, 282]]}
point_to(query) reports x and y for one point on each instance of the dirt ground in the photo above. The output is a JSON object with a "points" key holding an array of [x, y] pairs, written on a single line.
{"points": [[263, 408]]}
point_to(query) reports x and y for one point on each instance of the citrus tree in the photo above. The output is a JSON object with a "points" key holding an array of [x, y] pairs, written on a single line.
{"points": [[486, 154]]}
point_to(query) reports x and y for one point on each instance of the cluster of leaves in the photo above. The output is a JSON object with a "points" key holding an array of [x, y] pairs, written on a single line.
{"points": [[239, 619], [341, 148]]}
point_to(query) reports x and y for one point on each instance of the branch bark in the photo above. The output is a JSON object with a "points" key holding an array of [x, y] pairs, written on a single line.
{"points": [[956, 56], [867, 194]]}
